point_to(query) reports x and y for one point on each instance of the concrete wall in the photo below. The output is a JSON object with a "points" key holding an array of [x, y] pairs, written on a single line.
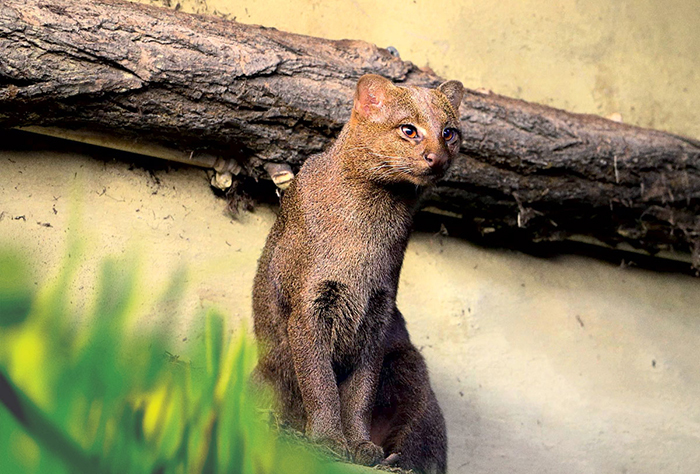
{"points": [[639, 58], [540, 365]]}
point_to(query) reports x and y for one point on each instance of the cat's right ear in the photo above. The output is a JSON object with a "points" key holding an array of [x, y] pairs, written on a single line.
{"points": [[370, 96]]}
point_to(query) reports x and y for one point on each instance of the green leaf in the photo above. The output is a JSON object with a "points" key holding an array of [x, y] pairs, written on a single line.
{"points": [[15, 290], [213, 339]]}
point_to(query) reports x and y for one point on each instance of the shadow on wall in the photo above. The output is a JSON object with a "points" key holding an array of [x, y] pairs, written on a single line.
{"points": [[565, 364]]}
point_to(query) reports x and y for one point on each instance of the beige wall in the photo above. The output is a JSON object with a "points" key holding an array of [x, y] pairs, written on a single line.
{"points": [[640, 58], [563, 365]]}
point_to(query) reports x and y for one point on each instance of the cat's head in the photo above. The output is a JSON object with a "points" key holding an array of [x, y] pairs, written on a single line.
{"points": [[410, 134]]}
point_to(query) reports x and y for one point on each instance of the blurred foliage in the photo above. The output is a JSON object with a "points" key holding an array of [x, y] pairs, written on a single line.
{"points": [[83, 390]]}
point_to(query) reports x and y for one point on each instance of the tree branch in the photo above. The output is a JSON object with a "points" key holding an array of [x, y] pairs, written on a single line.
{"points": [[213, 87]]}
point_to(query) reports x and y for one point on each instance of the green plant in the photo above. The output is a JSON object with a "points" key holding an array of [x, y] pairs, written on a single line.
{"points": [[81, 392]]}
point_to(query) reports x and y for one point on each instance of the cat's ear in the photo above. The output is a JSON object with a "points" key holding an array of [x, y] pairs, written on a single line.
{"points": [[370, 95], [453, 90]]}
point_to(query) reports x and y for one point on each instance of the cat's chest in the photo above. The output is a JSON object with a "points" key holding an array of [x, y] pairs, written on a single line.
{"points": [[361, 242]]}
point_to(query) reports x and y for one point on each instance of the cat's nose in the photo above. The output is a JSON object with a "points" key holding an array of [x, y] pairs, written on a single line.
{"points": [[435, 161]]}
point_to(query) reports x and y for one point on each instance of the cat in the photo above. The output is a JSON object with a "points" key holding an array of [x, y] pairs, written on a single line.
{"points": [[335, 348]]}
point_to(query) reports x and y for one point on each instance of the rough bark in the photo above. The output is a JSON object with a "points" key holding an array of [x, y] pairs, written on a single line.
{"points": [[258, 95]]}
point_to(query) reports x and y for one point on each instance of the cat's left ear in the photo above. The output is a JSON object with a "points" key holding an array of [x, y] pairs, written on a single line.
{"points": [[453, 90]]}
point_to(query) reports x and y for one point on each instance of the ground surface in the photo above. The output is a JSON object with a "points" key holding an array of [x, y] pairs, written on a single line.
{"points": [[552, 365]]}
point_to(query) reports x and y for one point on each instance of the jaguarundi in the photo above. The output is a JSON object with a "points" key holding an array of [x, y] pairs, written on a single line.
{"points": [[334, 345]]}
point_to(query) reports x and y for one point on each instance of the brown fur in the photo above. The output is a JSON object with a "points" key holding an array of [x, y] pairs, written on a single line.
{"points": [[335, 347]]}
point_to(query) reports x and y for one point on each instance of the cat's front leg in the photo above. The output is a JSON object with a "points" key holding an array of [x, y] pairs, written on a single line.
{"points": [[357, 393], [319, 392]]}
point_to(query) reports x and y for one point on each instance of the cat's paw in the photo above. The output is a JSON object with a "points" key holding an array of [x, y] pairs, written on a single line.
{"points": [[367, 453], [337, 446]]}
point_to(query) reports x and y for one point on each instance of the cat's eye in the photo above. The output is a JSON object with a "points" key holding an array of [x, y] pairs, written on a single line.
{"points": [[449, 134], [409, 131]]}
